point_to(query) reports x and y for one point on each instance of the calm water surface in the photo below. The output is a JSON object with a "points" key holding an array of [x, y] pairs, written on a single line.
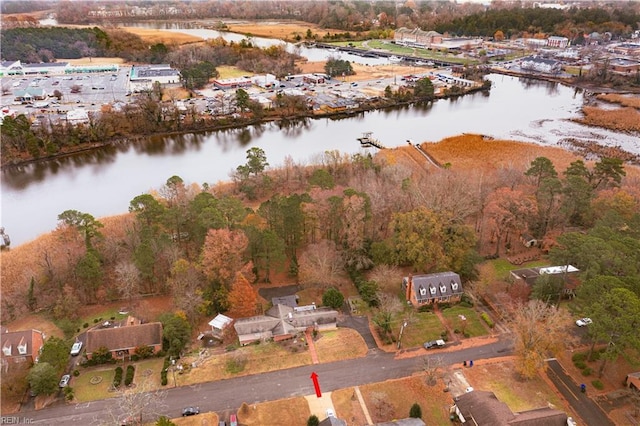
{"points": [[104, 182]]}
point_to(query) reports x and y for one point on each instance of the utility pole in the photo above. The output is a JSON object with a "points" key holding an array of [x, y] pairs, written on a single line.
{"points": [[404, 324]]}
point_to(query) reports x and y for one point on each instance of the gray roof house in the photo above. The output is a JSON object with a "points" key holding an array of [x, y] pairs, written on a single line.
{"points": [[482, 408], [283, 322], [432, 288], [332, 421]]}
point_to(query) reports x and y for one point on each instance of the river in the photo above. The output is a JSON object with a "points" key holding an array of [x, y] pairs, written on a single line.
{"points": [[103, 183]]}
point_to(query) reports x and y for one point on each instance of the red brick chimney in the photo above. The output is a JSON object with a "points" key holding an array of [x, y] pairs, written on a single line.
{"points": [[409, 286]]}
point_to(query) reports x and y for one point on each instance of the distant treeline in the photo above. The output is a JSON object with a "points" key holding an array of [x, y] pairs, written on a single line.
{"points": [[466, 19], [33, 45], [572, 22], [46, 44], [10, 6]]}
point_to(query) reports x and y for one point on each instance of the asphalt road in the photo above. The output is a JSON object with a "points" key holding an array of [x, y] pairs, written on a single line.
{"points": [[228, 395], [588, 410]]}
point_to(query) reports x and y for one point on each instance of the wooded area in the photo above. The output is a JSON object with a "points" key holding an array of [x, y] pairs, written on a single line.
{"points": [[354, 216], [468, 19]]}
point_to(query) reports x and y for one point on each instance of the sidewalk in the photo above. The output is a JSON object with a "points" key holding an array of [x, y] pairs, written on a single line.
{"points": [[312, 347]]}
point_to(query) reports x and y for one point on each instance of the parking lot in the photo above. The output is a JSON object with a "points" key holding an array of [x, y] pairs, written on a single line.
{"points": [[90, 91], [87, 90]]}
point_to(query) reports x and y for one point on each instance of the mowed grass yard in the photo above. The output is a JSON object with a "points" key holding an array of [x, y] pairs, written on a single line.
{"points": [[340, 344], [147, 377], [259, 358], [291, 411], [473, 327], [424, 326], [393, 400]]}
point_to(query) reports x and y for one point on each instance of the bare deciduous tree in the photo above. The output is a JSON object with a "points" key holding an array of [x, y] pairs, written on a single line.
{"points": [[431, 365], [127, 279], [539, 331], [386, 277], [321, 264]]}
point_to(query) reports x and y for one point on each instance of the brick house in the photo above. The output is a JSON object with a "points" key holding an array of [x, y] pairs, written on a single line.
{"points": [[441, 287], [529, 276], [20, 346], [122, 339]]}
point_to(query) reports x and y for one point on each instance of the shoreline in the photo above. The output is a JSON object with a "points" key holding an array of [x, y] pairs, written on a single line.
{"points": [[94, 146]]}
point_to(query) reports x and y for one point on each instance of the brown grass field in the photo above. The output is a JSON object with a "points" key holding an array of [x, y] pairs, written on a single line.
{"points": [[624, 100], [473, 152], [291, 411], [158, 36], [284, 30], [624, 119]]}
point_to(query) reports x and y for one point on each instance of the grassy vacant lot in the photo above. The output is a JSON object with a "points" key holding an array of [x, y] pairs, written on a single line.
{"points": [[340, 344], [474, 326], [201, 419], [292, 411], [348, 407], [393, 400], [256, 359], [424, 326]]}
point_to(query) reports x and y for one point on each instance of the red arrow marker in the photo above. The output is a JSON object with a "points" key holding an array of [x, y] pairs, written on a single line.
{"points": [[316, 385]]}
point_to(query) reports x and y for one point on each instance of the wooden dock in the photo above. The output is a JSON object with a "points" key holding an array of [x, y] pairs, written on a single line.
{"points": [[367, 141]]}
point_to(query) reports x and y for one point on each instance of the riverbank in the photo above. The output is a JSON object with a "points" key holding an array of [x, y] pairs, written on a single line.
{"points": [[212, 125]]}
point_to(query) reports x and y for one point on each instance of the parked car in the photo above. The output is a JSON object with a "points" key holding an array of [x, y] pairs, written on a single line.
{"points": [[434, 344], [233, 420], [583, 321], [190, 411], [330, 412], [76, 348], [64, 381]]}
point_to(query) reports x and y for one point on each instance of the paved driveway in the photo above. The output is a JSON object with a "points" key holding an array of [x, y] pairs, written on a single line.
{"points": [[360, 323]]}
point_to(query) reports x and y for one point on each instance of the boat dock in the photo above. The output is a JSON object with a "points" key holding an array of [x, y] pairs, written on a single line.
{"points": [[367, 141]]}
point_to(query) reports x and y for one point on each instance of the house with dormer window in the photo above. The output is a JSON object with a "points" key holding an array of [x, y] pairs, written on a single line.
{"points": [[20, 346], [441, 287]]}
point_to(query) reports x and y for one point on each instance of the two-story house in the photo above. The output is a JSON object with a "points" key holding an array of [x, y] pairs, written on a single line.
{"points": [[441, 287], [21, 346]]}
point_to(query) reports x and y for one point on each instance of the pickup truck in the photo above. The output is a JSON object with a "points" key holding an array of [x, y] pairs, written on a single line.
{"points": [[434, 344]]}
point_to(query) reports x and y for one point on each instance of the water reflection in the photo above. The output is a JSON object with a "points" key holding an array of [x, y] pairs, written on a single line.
{"points": [[103, 182]]}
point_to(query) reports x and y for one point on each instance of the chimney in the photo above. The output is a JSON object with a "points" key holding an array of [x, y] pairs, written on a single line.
{"points": [[409, 286]]}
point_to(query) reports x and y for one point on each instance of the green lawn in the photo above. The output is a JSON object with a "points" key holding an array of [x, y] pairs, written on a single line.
{"points": [[85, 391], [101, 317], [421, 53], [147, 373], [503, 267], [424, 326], [474, 324]]}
